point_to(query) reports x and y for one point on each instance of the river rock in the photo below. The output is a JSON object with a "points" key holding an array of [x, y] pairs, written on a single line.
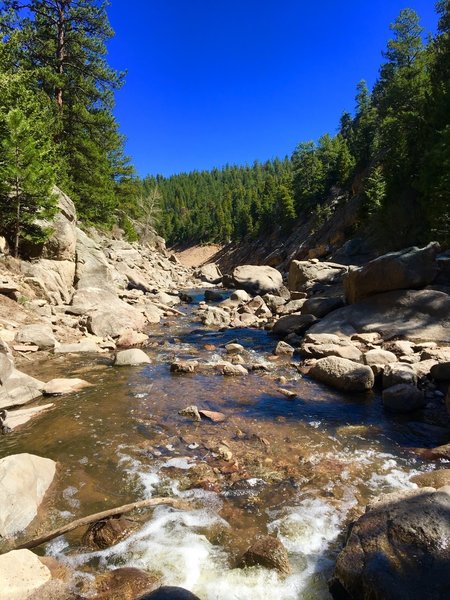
{"points": [[343, 374], [16, 418], [125, 583], [403, 398], [21, 574], [319, 307], [191, 412], [107, 532], [303, 274], [212, 415], [214, 316], [423, 368], [213, 296], [377, 356], [398, 550], [441, 371], [184, 366], [229, 369], [82, 346], [24, 479], [414, 314], [283, 349], [240, 296], [257, 279], [407, 269], [131, 357], [58, 387], [169, 592], [233, 348], [209, 273], [267, 552], [398, 373], [38, 334], [19, 388], [130, 338], [436, 479], [293, 324], [347, 351]]}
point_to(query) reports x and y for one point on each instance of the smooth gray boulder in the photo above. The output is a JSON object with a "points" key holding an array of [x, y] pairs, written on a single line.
{"points": [[131, 357], [257, 279], [410, 268], [24, 479], [209, 273], [416, 315], [343, 374], [398, 550], [38, 334]]}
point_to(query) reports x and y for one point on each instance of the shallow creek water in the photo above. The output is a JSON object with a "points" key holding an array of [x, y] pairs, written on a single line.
{"points": [[301, 468]]}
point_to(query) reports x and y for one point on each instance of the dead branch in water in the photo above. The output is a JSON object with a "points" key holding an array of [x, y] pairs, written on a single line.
{"points": [[119, 510]]}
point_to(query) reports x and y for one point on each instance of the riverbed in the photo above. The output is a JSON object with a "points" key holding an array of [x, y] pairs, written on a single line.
{"points": [[301, 468]]}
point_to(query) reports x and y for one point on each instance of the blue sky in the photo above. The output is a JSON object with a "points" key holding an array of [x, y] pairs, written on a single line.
{"points": [[212, 82]]}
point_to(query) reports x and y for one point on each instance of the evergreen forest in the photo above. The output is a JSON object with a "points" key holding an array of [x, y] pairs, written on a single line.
{"points": [[57, 127]]}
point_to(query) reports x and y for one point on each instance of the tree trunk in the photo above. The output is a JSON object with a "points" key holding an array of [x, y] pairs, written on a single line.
{"points": [[60, 48]]}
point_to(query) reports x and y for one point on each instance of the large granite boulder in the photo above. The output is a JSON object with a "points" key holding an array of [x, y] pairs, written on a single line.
{"points": [[257, 279], [51, 279], [209, 273], [343, 374], [417, 315], [24, 479], [37, 334], [304, 274], [407, 269], [92, 270], [398, 550], [19, 388]]}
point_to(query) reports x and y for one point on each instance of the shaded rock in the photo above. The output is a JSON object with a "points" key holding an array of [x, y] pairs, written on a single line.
{"points": [[436, 479], [58, 387], [258, 306], [283, 349], [168, 592], [293, 306], [38, 334], [257, 279], [184, 366], [398, 373], [24, 479], [401, 347], [319, 307], [21, 573], [267, 552], [379, 357], [343, 374], [209, 273], [61, 244], [191, 412], [303, 274], [125, 583], [413, 314], [367, 338], [407, 269], [107, 532], [398, 550], [403, 398], [274, 303], [213, 296], [326, 338], [293, 324], [441, 371], [134, 356]]}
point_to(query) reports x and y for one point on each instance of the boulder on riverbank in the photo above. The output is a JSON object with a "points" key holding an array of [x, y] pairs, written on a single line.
{"points": [[257, 279], [21, 574], [24, 479], [398, 550]]}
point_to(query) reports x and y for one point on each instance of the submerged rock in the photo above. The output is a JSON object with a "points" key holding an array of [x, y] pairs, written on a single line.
{"points": [[267, 552], [125, 584], [57, 387], [184, 366], [107, 532]]}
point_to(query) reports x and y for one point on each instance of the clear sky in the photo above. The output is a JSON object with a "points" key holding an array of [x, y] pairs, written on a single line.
{"points": [[212, 82]]}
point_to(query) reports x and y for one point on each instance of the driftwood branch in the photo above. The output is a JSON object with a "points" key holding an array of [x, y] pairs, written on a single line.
{"points": [[169, 309], [119, 510]]}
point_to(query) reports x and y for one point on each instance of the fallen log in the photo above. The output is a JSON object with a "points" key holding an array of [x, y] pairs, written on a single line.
{"points": [[119, 510]]}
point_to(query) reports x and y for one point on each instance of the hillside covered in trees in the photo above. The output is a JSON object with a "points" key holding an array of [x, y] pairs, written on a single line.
{"points": [[57, 127], [393, 151]]}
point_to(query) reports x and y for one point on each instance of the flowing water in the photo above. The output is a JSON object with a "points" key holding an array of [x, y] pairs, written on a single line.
{"points": [[300, 469]]}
